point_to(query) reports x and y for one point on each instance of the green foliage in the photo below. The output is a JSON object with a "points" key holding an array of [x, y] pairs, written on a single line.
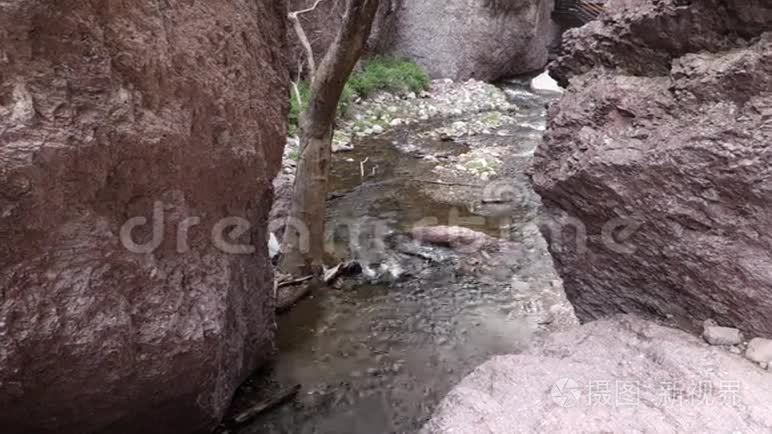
{"points": [[294, 155], [377, 74], [297, 108], [389, 75]]}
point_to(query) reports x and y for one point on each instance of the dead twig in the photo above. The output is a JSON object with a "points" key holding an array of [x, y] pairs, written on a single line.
{"points": [[362, 166], [294, 281], [452, 184], [263, 406], [284, 303]]}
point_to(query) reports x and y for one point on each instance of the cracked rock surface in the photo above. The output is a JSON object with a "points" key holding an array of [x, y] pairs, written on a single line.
{"points": [[658, 158]]}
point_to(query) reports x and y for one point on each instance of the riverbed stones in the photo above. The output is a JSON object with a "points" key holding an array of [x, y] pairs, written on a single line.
{"points": [[654, 169], [759, 350], [110, 113], [715, 335], [621, 374]]}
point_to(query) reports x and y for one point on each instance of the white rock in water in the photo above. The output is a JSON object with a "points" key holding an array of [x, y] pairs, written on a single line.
{"points": [[274, 248], [715, 335], [377, 129], [342, 147], [759, 350], [545, 83], [396, 122]]}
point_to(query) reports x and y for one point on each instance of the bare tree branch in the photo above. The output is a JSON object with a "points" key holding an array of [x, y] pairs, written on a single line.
{"points": [[294, 17], [304, 11]]}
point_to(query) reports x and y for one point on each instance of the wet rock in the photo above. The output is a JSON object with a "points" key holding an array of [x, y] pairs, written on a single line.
{"points": [[651, 166], [116, 110], [722, 336], [456, 237], [759, 350], [617, 375]]}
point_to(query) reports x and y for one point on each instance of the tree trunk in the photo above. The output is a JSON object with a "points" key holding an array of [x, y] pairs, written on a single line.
{"points": [[303, 244]]}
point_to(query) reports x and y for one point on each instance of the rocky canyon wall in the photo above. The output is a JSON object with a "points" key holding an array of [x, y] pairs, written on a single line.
{"points": [[481, 39], [458, 39], [111, 112], [656, 167]]}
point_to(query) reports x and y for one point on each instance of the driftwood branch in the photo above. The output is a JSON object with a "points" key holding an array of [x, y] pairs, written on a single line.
{"points": [[450, 184], [261, 407], [287, 299], [295, 281]]}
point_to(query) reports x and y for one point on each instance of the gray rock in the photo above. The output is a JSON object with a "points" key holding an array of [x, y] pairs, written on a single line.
{"points": [[654, 156], [759, 350], [715, 335], [457, 237], [342, 147], [617, 375], [461, 39]]}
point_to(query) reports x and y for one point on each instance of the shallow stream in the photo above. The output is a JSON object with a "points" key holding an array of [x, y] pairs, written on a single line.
{"points": [[377, 356]]}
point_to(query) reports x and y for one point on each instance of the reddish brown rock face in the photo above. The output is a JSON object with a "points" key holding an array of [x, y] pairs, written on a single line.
{"points": [[659, 154], [107, 108]]}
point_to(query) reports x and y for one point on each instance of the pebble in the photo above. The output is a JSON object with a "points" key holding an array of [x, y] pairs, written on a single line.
{"points": [[716, 335], [377, 129], [759, 350]]}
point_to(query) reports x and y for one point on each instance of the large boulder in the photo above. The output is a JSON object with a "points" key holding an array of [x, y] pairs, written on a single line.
{"points": [[110, 112], [481, 39], [458, 39], [617, 375], [655, 170]]}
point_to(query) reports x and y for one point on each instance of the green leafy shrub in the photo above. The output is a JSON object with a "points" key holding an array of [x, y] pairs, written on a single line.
{"points": [[377, 74], [389, 75], [295, 107]]}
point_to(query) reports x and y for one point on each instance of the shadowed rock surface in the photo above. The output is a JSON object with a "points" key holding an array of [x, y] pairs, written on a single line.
{"points": [[105, 109], [659, 151], [618, 375]]}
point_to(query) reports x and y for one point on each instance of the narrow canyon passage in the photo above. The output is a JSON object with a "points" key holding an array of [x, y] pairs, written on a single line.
{"points": [[377, 355]]}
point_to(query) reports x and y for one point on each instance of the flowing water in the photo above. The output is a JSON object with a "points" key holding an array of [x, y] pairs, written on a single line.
{"points": [[377, 356]]}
